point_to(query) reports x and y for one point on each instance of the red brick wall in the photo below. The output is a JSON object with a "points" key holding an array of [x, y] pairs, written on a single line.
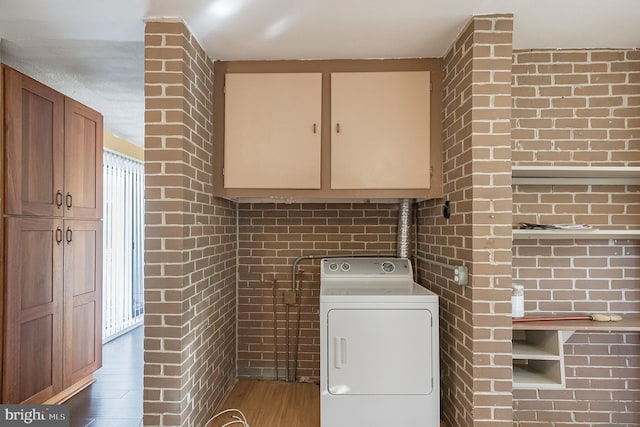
{"points": [[602, 386], [576, 107], [190, 245], [475, 335], [271, 236], [580, 107]]}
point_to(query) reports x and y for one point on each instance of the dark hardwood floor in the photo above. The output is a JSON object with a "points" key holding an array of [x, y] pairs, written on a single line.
{"points": [[115, 399]]}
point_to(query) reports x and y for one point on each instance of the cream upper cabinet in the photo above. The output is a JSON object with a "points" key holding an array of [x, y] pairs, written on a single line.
{"points": [[380, 125], [272, 130]]}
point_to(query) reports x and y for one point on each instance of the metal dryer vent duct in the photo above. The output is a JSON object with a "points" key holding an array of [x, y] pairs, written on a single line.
{"points": [[404, 228]]}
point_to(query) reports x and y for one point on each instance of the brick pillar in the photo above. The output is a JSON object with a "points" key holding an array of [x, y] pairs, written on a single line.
{"points": [[190, 245], [475, 320]]}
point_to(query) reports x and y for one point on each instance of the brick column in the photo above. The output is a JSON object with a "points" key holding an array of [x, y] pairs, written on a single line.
{"points": [[475, 320], [190, 245]]}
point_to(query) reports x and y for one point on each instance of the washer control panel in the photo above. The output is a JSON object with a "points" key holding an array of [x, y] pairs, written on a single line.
{"points": [[358, 266]]}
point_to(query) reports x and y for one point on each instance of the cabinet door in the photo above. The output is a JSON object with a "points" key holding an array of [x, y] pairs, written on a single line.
{"points": [[82, 299], [33, 309], [380, 130], [34, 117], [272, 130], [83, 161]]}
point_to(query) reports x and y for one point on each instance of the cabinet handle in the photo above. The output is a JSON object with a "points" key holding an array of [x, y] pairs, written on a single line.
{"points": [[315, 128], [69, 201], [69, 235], [337, 127], [59, 199], [58, 235]]}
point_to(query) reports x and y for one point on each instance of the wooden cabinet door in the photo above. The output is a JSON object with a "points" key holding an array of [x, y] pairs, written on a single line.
{"points": [[82, 299], [380, 130], [272, 130], [83, 161], [32, 362], [34, 138]]}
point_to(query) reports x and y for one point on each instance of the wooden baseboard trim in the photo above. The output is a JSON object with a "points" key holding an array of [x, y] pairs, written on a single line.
{"points": [[71, 391]]}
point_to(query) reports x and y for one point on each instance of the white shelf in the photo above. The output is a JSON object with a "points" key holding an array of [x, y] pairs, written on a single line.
{"points": [[576, 234], [526, 377], [538, 359], [604, 175], [524, 350], [538, 353]]}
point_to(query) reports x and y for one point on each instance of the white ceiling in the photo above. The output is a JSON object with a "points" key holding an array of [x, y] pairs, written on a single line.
{"points": [[93, 49]]}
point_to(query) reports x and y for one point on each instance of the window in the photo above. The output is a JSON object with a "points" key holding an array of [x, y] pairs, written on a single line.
{"points": [[123, 305]]}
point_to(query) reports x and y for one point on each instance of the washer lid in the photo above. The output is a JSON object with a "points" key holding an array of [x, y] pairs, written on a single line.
{"points": [[363, 291]]}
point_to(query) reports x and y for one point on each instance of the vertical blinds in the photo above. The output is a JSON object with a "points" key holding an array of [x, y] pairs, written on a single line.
{"points": [[123, 304]]}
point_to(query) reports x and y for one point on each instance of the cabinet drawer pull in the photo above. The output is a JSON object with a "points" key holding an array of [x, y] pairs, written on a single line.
{"points": [[58, 235], [69, 201], [315, 128], [59, 199], [337, 127], [69, 235]]}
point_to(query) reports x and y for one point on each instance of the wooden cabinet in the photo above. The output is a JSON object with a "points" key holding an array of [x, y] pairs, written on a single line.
{"points": [[53, 306], [272, 130], [298, 130], [34, 147], [82, 299], [53, 152], [82, 161], [380, 130], [32, 370], [52, 232]]}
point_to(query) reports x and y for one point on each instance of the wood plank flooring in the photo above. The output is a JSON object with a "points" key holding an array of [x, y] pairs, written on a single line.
{"points": [[115, 399], [273, 404]]}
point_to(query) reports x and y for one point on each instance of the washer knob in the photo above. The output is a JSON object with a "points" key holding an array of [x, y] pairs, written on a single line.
{"points": [[388, 267], [333, 266], [345, 266]]}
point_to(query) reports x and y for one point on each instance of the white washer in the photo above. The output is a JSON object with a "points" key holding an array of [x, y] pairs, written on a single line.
{"points": [[379, 363]]}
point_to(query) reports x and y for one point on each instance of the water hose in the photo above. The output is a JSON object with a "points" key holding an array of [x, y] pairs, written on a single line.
{"points": [[296, 347], [274, 284]]}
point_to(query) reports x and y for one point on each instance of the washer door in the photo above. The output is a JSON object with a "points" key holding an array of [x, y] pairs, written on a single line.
{"points": [[379, 352]]}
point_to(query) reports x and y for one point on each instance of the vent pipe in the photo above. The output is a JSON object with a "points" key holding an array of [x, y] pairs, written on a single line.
{"points": [[404, 228]]}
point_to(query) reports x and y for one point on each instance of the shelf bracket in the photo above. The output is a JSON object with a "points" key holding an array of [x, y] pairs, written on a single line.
{"points": [[565, 335]]}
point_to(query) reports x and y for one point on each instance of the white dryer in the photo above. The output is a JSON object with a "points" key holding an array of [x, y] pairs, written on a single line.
{"points": [[379, 363]]}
